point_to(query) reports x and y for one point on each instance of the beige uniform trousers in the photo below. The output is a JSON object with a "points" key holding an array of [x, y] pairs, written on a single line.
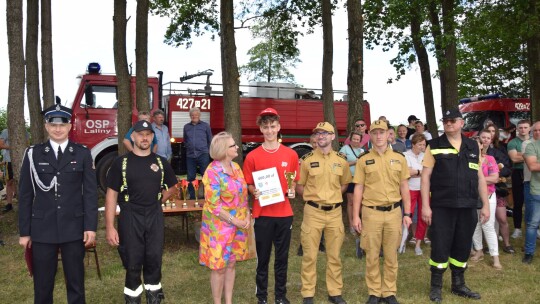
{"points": [[381, 228], [315, 222]]}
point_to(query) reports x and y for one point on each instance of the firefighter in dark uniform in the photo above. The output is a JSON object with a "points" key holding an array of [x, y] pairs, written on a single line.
{"points": [[453, 176], [57, 207], [139, 182]]}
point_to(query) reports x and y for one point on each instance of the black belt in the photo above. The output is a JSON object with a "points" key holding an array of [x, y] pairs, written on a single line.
{"points": [[323, 207], [385, 208]]}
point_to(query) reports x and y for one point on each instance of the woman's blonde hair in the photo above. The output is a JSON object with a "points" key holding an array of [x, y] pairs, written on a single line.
{"points": [[219, 145]]}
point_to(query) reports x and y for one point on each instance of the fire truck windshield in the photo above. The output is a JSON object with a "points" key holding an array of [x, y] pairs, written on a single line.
{"points": [[475, 121]]}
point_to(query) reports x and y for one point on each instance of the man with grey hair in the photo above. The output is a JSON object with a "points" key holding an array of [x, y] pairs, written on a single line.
{"points": [[197, 137], [161, 132]]}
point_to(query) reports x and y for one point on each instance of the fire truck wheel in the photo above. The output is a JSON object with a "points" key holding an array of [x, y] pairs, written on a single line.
{"points": [[102, 168]]}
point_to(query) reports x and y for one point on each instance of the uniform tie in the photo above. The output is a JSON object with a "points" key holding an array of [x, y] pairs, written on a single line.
{"points": [[59, 154]]}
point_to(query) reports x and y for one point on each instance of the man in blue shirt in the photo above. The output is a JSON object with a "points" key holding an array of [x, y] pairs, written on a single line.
{"points": [[197, 138], [162, 135]]}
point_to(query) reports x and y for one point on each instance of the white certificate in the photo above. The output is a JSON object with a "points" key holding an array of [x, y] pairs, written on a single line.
{"points": [[267, 181]]}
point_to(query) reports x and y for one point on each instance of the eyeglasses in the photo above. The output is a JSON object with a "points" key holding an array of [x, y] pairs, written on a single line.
{"points": [[323, 133], [451, 120], [233, 145], [360, 125]]}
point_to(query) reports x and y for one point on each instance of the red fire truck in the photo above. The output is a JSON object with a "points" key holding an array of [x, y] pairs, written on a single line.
{"points": [[477, 111], [95, 107]]}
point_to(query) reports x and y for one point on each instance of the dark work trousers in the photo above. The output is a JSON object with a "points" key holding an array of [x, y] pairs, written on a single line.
{"points": [[268, 231], [141, 232], [45, 263], [517, 196], [451, 233]]}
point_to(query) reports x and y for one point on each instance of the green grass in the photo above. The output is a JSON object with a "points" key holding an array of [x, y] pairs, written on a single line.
{"points": [[185, 281]]}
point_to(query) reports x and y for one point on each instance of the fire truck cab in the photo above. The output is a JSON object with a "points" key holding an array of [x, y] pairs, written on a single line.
{"points": [[477, 111]]}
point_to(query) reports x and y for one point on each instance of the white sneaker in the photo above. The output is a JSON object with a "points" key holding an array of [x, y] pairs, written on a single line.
{"points": [[418, 251], [500, 238], [516, 234]]}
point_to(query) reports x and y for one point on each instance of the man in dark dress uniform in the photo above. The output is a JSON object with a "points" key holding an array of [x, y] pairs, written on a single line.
{"points": [[57, 207], [137, 181]]}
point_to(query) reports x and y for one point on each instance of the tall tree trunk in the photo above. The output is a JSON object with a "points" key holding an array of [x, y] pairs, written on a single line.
{"points": [[437, 34], [37, 130], [15, 107], [355, 72], [327, 68], [125, 103], [425, 71], [47, 54], [229, 70], [450, 54], [533, 59], [141, 53]]}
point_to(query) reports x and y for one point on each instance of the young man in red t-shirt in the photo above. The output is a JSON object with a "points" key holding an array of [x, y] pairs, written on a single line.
{"points": [[273, 222]]}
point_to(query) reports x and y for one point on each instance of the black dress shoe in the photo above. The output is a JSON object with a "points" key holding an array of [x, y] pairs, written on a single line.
{"points": [[322, 248], [7, 208], [308, 300], [373, 300], [527, 259], [336, 300], [282, 301], [390, 300]]}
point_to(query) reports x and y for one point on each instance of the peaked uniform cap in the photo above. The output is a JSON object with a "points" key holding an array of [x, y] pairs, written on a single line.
{"points": [[57, 114]]}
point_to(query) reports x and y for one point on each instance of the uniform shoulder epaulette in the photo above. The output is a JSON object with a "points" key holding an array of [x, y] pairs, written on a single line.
{"points": [[80, 145], [399, 152], [364, 153], [342, 155], [305, 156]]}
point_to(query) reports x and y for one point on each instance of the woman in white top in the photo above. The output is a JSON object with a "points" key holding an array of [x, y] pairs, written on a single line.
{"points": [[414, 162], [353, 151]]}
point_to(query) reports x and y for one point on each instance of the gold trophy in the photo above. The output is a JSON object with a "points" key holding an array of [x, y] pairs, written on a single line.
{"points": [[184, 185], [195, 184], [289, 176]]}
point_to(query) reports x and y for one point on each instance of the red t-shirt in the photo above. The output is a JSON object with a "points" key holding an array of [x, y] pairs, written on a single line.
{"points": [[284, 160]]}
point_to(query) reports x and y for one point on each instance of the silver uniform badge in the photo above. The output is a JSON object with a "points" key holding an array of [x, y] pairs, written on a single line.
{"points": [[57, 107], [47, 149], [70, 149]]}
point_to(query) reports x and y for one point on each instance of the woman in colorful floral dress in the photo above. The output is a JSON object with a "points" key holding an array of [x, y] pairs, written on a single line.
{"points": [[225, 217]]}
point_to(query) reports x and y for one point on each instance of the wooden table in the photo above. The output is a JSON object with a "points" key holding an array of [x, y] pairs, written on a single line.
{"points": [[179, 210]]}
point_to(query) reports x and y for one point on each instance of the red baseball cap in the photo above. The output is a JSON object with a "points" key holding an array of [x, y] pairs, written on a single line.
{"points": [[268, 111]]}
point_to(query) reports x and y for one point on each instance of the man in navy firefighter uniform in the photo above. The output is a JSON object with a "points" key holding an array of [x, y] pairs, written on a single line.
{"points": [[453, 175], [57, 207], [138, 181]]}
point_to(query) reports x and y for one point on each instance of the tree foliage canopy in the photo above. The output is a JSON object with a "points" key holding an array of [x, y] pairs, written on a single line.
{"points": [[270, 58], [188, 18]]}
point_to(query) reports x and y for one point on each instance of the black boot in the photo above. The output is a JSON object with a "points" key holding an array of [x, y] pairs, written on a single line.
{"points": [[154, 296], [458, 285], [435, 292], [132, 300]]}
